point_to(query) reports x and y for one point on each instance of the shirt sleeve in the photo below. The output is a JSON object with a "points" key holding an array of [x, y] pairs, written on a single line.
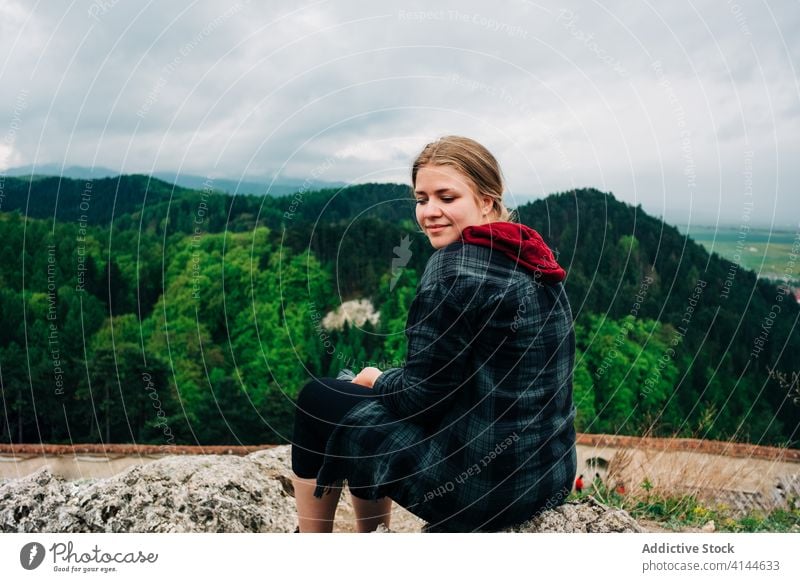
{"points": [[439, 337]]}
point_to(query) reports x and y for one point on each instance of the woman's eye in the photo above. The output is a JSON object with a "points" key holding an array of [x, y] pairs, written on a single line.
{"points": [[447, 199]]}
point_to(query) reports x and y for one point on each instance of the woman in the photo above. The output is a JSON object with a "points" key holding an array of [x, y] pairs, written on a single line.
{"points": [[475, 432]]}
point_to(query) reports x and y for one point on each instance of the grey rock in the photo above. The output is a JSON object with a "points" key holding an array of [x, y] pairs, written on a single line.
{"points": [[586, 515], [219, 493], [35, 503], [205, 493]]}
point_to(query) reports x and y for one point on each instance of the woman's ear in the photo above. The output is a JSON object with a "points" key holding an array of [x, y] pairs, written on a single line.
{"points": [[488, 205]]}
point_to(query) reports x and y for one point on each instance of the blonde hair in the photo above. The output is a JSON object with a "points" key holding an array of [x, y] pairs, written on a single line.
{"points": [[474, 161]]}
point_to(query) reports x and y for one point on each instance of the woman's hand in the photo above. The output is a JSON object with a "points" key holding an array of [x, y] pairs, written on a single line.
{"points": [[367, 377]]}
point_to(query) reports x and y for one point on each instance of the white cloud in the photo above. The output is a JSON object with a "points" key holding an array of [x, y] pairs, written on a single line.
{"points": [[565, 94]]}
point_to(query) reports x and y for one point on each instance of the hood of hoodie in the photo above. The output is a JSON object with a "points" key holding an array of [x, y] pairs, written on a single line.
{"points": [[522, 244]]}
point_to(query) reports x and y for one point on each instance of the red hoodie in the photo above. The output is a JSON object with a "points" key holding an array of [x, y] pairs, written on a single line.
{"points": [[521, 243]]}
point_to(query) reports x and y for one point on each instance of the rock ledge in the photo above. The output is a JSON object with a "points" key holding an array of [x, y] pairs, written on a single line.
{"points": [[219, 493]]}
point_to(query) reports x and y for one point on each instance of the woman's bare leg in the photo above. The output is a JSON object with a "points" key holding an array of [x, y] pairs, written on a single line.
{"points": [[370, 514], [314, 515]]}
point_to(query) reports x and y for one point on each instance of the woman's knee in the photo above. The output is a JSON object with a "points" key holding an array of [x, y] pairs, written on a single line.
{"points": [[310, 394], [328, 399]]}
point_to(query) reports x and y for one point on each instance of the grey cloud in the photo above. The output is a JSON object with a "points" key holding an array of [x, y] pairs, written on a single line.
{"points": [[566, 93]]}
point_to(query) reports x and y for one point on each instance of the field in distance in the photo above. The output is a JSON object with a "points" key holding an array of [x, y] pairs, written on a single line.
{"points": [[767, 252]]}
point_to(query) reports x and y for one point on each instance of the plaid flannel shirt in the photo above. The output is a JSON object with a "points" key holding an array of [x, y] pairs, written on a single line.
{"points": [[475, 432]]}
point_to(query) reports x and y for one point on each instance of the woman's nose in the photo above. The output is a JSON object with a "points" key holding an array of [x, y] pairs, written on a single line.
{"points": [[431, 208]]}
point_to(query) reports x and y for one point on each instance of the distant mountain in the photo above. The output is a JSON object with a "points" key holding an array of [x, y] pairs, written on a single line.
{"points": [[249, 185], [134, 198], [94, 201], [74, 172]]}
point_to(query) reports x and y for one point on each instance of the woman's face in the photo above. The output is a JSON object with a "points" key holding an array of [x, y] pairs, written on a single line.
{"points": [[447, 203]]}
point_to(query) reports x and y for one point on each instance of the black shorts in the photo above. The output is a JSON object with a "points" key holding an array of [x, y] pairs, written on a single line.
{"points": [[321, 405]]}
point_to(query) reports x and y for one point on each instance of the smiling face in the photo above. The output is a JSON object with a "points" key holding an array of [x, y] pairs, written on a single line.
{"points": [[447, 203]]}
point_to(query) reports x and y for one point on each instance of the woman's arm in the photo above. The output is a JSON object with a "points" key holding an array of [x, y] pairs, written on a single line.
{"points": [[439, 337]]}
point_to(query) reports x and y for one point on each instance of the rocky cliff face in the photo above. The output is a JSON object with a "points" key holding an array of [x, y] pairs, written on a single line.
{"points": [[219, 493]]}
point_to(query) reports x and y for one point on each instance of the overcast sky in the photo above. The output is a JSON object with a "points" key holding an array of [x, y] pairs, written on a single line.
{"points": [[690, 108]]}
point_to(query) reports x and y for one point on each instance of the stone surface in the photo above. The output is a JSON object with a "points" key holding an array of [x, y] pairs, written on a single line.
{"points": [[221, 493], [35, 504], [586, 515], [204, 493]]}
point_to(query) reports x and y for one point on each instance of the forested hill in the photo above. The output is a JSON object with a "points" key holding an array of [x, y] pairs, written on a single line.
{"points": [[211, 306], [96, 201], [610, 249], [732, 328], [130, 198]]}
